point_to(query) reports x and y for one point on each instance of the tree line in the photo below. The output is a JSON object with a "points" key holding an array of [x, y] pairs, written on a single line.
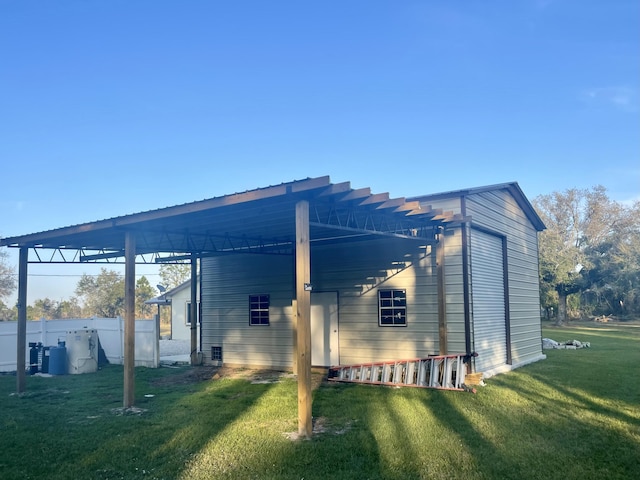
{"points": [[589, 255], [101, 295], [589, 265]]}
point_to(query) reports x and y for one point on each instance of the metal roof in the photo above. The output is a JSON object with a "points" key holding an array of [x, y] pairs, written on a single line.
{"points": [[260, 220]]}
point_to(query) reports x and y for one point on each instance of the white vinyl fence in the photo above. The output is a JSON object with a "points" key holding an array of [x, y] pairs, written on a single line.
{"points": [[110, 333]]}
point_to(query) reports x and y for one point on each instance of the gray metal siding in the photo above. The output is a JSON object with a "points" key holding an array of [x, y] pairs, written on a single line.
{"points": [[487, 287], [454, 291], [358, 273], [454, 280], [227, 283], [498, 211]]}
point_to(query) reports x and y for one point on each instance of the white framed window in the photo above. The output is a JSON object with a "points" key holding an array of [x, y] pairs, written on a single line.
{"points": [[392, 308], [259, 309]]}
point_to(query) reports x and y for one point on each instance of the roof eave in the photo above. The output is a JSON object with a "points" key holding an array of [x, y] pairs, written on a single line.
{"points": [[512, 187]]}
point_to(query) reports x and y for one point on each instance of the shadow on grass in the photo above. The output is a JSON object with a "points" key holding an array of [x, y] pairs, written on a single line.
{"points": [[574, 438], [478, 456], [79, 433]]}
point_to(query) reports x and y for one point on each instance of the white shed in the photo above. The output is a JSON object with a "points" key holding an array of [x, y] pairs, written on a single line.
{"points": [[179, 300]]}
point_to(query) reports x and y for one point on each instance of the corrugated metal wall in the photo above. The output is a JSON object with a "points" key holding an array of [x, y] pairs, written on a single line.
{"points": [[227, 283], [454, 291], [498, 211], [356, 271], [487, 288], [454, 280]]}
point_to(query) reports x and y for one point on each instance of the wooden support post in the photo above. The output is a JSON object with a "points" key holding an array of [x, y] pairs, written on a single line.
{"points": [[303, 318], [294, 308], [193, 310], [22, 320], [442, 300], [129, 319]]}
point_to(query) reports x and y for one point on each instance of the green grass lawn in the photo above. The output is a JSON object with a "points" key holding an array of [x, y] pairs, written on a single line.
{"points": [[574, 415]]}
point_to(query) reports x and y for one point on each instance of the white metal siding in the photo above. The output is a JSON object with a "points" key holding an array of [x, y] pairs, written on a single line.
{"points": [[487, 274], [180, 330]]}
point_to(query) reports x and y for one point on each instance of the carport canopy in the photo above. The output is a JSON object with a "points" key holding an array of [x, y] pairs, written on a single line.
{"points": [[280, 219]]}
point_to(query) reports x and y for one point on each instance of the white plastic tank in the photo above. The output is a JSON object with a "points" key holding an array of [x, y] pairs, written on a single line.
{"points": [[82, 351]]}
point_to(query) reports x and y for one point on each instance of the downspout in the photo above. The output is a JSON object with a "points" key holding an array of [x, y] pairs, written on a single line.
{"points": [[442, 299], [200, 309], [507, 306]]}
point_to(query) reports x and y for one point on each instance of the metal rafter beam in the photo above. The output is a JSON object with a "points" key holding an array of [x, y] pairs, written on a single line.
{"points": [[372, 221], [425, 237], [176, 242]]}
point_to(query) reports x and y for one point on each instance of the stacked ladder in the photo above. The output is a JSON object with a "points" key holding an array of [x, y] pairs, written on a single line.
{"points": [[445, 372]]}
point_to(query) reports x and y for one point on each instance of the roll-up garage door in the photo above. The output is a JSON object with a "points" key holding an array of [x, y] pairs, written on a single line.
{"points": [[487, 287]]}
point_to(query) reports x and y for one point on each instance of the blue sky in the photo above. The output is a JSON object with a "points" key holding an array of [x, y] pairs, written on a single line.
{"points": [[115, 107]]}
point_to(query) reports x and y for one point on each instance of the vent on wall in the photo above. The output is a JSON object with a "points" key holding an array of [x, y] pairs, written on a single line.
{"points": [[216, 354]]}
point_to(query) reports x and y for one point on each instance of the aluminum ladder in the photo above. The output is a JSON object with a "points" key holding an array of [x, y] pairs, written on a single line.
{"points": [[445, 372]]}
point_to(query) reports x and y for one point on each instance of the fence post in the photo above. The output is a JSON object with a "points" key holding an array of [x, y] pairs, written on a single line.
{"points": [[43, 331], [121, 345], [156, 342]]}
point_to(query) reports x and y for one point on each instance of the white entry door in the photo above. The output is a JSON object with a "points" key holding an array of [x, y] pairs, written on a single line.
{"points": [[324, 329]]}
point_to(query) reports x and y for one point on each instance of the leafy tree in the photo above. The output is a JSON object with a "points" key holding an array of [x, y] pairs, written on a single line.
{"points": [[103, 295], [43, 308], [174, 274], [615, 276], [144, 291], [6, 313], [69, 309], [587, 233], [7, 276], [51, 309]]}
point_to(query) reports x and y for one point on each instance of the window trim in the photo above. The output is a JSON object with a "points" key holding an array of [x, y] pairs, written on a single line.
{"points": [[393, 308], [261, 310], [187, 312]]}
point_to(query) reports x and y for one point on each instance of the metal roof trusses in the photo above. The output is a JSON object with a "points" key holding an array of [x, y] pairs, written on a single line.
{"points": [[257, 221]]}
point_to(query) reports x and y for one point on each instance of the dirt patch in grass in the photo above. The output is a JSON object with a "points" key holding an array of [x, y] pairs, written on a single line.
{"points": [[267, 376], [191, 375], [321, 425], [187, 376]]}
